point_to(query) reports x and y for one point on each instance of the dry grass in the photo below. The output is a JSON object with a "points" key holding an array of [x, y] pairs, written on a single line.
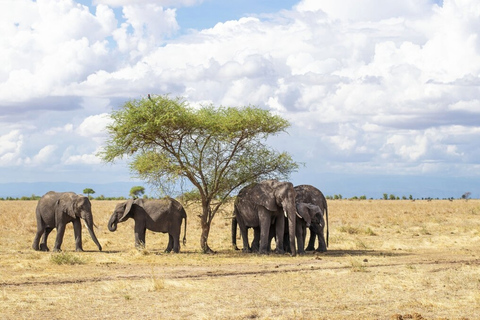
{"points": [[387, 260]]}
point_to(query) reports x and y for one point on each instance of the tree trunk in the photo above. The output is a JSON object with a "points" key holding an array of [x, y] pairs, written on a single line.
{"points": [[205, 222]]}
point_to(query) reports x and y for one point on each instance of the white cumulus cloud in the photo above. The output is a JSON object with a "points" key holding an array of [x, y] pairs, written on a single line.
{"points": [[94, 126], [368, 85]]}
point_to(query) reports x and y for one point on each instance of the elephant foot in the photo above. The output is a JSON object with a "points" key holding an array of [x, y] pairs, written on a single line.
{"points": [[246, 250], [235, 248], [321, 250], [57, 250], [310, 248], [43, 248], [168, 250], [140, 245], [79, 250]]}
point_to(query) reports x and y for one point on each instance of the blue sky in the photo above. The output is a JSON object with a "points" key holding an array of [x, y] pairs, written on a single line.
{"points": [[382, 95]]}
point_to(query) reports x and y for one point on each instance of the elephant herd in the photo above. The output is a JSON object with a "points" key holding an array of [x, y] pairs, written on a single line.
{"points": [[56, 209], [274, 209]]}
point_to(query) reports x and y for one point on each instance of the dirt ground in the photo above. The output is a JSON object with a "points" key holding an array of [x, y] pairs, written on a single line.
{"points": [[386, 260]]}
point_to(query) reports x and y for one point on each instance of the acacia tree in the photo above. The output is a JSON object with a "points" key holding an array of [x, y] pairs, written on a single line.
{"points": [[88, 192], [137, 191], [217, 149]]}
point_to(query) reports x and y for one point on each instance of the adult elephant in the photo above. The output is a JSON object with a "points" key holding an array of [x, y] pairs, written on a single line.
{"points": [[165, 215], [262, 204], [309, 216], [55, 210], [309, 194]]}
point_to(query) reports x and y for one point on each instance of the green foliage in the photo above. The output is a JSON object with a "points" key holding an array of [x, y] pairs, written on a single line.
{"points": [[88, 192], [32, 197], [217, 149], [137, 191], [190, 196], [466, 195], [66, 258]]}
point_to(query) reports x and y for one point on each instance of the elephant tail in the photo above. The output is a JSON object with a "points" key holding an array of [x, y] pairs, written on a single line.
{"points": [[185, 228], [234, 233], [326, 218]]}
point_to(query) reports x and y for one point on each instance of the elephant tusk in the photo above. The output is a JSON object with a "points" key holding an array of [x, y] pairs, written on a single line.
{"points": [[285, 213], [86, 225], [298, 215]]}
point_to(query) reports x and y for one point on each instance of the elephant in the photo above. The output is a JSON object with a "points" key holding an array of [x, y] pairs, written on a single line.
{"points": [[263, 204], [309, 194], [55, 210], [309, 216], [164, 215]]}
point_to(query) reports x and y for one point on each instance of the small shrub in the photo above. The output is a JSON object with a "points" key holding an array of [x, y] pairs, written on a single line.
{"points": [[66, 258], [157, 284], [348, 229], [360, 244], [357, 266]]}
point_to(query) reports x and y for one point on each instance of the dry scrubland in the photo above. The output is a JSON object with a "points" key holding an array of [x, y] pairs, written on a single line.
{"points": [[386, 260]]}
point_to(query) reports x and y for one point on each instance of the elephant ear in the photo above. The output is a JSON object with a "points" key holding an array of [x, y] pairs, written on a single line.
{"points": [[263, 194], [314, 209], [128, 208], [303, 211], [66, 205], [139, 202]]}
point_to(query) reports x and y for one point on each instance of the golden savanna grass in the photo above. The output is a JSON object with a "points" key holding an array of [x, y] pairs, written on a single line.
{"points": [[386, 260]]}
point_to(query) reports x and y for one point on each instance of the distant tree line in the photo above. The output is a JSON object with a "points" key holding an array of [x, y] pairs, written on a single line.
{"points": [[135, 192], [387, 196], [192, 196]]}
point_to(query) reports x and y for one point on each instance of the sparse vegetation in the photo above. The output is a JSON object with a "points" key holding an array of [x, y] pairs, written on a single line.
{"points": [[386, 259], [66, 258]]}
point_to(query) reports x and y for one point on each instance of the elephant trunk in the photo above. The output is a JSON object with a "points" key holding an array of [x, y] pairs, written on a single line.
{"points": [[291, 213], [89, 223], [112, 223]]}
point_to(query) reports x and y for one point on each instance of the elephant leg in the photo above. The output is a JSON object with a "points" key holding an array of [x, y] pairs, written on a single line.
{"points": [[77, 231], [280, 233], [264, 231], [38, 235], [59, 239], [286, 242], [244, 233], [322, 246], [43, 243], [311, 241], [140, 231], [176, 243], [256, 240], [299, 234], [170, 244]]}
